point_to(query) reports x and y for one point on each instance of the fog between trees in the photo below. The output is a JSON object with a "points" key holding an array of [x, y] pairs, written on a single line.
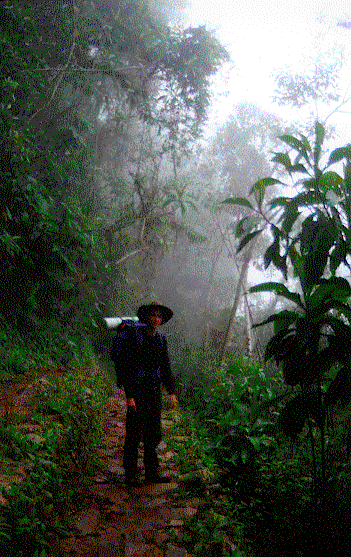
{"points": [[111, 197]]}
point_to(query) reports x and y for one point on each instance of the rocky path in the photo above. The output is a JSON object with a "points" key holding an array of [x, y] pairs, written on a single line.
{"points": [[117, 521]]}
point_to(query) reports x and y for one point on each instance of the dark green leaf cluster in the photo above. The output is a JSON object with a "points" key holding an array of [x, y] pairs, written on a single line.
{"points": [[42, 238], [311, 242], [142, 55], [33, 517]]}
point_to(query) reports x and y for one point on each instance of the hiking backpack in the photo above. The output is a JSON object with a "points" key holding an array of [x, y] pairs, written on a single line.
{"points": [[127, 342], [128, 333]]}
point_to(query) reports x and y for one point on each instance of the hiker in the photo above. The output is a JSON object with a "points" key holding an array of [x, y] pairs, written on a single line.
{"points": [[146, 367]]}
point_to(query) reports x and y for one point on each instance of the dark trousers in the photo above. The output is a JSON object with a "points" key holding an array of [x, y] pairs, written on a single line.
{"points": [[142, 425]]}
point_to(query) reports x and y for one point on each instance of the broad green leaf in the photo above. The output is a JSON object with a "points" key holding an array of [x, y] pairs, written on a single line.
{"points": [[238, 201], [259, 188], [331, 181], [321, 311], [279, 289], [284, 159], [265, 182], [272, 254], [276, 346], [282, 320], [247, 225], [341, 330], [295, 144], [247, 239], [326, 290], [298, 167], [306, 143], [320, 133], [338, 255], [286, 319], [316, 239], [308, 198], [290, 217], [339, 154], [310, 183], [280, 202], [298, 262], [241, 228], [340, 285]]}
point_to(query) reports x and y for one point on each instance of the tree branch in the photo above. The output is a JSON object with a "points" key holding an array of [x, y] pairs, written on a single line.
{"points": [[130, 254], [60, 77]]}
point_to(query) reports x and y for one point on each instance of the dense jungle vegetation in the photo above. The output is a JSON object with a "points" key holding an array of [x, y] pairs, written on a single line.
{"points": [[110, 198]]}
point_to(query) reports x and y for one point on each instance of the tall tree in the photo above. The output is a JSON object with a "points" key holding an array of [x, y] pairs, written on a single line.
{"points": [[66, 69], [238, 156]]}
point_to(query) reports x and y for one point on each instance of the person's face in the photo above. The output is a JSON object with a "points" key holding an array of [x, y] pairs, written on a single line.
{"points": [[155, 318]]}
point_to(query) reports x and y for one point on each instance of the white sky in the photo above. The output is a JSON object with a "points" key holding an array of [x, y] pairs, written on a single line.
{"points": [[263, 36]]}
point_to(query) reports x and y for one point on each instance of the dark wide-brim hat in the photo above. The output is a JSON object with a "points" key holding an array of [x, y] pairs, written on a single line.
{"points": [[145, 310]]}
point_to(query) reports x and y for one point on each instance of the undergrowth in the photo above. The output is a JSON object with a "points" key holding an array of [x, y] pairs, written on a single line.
{"points": [[209, 533], [69, 411], [271, 506]]}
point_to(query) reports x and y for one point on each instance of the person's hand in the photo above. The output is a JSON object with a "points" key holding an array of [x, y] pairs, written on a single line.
{"points": [[131, 404], [172, 401]]}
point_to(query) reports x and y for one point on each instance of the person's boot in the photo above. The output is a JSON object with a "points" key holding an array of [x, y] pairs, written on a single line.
{"points": [[156, 478], [132, 479]]}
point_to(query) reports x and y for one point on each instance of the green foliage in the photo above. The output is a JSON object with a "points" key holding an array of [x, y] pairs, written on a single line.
{"points": [[311, 233], [59, 64], [140, 52], [235, 420], [320, 83], [42, 238], [207, 533], [69, 411], [76, 400], [267, 490]]}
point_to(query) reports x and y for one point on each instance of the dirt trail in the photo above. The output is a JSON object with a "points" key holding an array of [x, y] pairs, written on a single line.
{"points": [[119, 521]]}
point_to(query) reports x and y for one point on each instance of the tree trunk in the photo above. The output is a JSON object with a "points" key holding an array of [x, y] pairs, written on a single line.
{"points": [[239, 289], [248, 326], [205, 294]]}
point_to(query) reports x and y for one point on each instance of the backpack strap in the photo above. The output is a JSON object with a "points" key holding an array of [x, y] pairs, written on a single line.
{"points": [[127, 330]]}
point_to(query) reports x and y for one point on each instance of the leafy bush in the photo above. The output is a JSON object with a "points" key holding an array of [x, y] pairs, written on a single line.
{"points": [[265, 476], [236, 412], [70, 413], [76, 400]]}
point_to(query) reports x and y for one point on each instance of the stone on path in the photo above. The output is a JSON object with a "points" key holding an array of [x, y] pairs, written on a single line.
{"points": [[86, 521]]}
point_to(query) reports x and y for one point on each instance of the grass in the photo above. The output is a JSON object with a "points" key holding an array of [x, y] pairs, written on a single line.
{"points": [[209, 532], [265, 477], [68, 411]]}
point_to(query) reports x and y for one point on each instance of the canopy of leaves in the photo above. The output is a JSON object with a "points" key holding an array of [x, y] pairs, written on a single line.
{"points": [[58, 60]]}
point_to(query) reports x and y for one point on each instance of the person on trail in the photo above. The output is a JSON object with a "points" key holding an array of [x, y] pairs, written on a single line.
{"points": [[147, 367]]}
